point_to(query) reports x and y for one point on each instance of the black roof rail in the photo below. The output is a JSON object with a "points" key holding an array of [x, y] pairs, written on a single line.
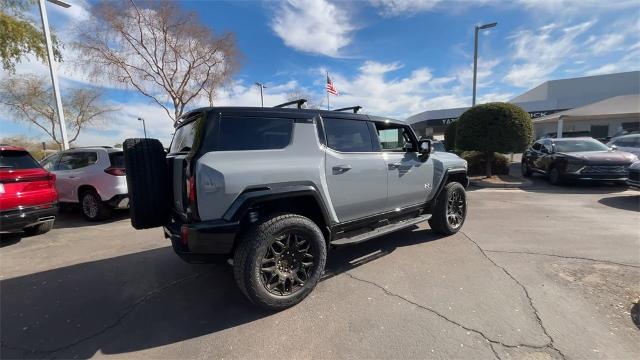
{"points": [[354, 108], [298, 102]]}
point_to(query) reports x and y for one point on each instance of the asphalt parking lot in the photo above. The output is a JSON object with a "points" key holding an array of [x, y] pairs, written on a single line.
{"points": [[538, 273]]}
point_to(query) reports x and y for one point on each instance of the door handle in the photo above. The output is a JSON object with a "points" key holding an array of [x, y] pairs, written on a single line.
{"points": [[340, 169], [71, 177], [394, 166]]}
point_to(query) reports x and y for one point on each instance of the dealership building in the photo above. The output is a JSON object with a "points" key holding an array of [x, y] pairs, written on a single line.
{"points": [[599, 106]]}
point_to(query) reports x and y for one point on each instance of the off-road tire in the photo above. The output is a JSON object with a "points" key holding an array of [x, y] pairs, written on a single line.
{"points": [[103, 211], [525, 169], [439, 222], [252, 248], [38, 229], [147, 182]]}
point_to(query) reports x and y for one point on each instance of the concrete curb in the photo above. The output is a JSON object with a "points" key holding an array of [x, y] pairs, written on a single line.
{"points": [[481, 183]]}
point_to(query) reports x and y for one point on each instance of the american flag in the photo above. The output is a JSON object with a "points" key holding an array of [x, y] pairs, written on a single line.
{"points": [[331, 89]]}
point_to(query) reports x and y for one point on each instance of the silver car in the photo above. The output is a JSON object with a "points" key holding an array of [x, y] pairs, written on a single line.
{"points": [[93, 177], [628, 143]]}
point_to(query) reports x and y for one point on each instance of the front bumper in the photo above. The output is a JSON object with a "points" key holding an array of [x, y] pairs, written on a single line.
{"points": [[202, 241], [634, 179], [17, 219], [596, 177]]}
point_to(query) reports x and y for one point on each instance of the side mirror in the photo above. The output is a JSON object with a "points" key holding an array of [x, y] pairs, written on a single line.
{"points": [[614, 148], [424, 147]]}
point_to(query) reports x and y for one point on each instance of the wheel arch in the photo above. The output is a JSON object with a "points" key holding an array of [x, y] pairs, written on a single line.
{"points": [[84, 188]]}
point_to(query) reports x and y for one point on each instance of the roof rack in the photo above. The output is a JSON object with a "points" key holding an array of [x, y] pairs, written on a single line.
{"points": [[298, 102], [354, 108]]}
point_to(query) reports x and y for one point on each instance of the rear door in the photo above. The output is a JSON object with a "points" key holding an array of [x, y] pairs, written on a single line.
{"points": [[355, 170], [70, 173], [410, 177]]}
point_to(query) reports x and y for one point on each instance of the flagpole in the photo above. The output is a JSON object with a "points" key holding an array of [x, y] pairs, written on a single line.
{"points": [[327, 93]]}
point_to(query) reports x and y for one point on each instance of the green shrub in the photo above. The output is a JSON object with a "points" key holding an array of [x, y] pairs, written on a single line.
{"points": [[477, 165], [450, 137], [494, 127]]}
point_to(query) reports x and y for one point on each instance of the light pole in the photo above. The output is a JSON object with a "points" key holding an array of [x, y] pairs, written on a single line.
{"points": [[475, 56], [144, 127], [262, 87], [52, 69]]}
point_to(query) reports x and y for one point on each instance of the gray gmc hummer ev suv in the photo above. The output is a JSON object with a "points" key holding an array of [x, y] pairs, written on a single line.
{"points": [[275, 188]]}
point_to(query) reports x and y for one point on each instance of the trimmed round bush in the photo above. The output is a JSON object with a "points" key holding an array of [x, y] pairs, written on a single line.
{"points": [[494, 127], [450, 137]]}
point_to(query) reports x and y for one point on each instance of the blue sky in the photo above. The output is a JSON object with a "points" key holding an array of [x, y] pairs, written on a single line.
{"points": [[395, 58]]}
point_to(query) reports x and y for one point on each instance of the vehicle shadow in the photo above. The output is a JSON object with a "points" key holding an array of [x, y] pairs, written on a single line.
{"points": [[629, 202], [72, 218], [141, 301], [10, 239]]}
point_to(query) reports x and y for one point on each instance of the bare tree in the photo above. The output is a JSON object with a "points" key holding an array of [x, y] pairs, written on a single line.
{"points": [[158, 49], [299, 93], [30, 99]]}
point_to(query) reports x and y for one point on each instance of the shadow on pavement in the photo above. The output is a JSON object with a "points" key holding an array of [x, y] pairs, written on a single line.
{"points": [[10, 239], [629, 202], [71, 217], [140, 301]]}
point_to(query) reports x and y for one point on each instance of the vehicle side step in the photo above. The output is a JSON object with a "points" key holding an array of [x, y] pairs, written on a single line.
{"points": [[383, 230]]}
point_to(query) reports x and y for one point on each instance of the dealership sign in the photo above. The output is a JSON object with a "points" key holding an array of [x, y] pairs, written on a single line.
{"points": [[447, 121]]}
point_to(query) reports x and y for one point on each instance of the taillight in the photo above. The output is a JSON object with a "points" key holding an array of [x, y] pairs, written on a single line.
{"points": [[192, 190], [115, 171], [184, 235]]}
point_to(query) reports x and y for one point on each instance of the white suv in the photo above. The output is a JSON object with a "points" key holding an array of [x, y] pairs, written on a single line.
{"points": [[94, 177]]}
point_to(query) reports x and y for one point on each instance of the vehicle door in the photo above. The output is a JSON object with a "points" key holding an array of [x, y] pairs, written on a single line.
{"points": [[69, 173], [409, 175], [355, 169], [546, 156]]}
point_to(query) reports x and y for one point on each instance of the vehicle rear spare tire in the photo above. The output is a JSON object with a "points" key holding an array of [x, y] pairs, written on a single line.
{"points": [[148, 182]]}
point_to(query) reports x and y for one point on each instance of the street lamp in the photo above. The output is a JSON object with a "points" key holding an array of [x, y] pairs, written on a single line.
{"points": [[52, 69], [475, 56], [262, 87], [144, 127]]}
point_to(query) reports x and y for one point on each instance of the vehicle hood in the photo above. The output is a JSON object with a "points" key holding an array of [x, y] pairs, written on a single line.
{"points": [[600, 157]]}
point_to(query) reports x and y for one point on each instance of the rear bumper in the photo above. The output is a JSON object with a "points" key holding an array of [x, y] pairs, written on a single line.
{"points": [[119, 201], [18, 219], [204, 241]]}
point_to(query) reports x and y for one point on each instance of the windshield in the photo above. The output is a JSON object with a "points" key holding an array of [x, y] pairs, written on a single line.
{"points": [[579, 145]]}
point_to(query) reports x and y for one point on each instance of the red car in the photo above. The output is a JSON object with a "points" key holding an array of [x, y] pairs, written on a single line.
{"points": [[28, 196]]}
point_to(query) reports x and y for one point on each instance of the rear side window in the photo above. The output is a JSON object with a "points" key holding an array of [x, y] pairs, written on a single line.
{"points": [[77, 160], [254, 133], [348, 135], [184, 137], [117, 159], [17, 160]]}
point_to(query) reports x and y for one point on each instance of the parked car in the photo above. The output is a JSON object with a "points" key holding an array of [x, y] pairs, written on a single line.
{"points": [[93, 177], [28, 197], [628, 143], [275, 188], [633, 179], [575, 159]]}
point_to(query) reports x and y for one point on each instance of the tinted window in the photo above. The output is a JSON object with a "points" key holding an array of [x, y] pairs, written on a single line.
{"points": [[184, 137], [438, 146], [17, 160], [579, 145], [51, 162], [117, 159], [77, 160], [537, 146], [392, 137], [254, 133], [348, 135]]}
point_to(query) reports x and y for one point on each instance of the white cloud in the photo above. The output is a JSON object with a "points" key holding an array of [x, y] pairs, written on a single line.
{"points": [[397, 7], [537, 54], [563, 7], [600, 44], [313, 26]]}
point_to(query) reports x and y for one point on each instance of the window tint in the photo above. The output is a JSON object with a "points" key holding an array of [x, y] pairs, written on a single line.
{"points": [[537, 146], [117, 159], [77, 160], [17, 160], [438, 146], [184, 137], [392, 137], [254, 133], [348, 135], [51, 162], [579, 145]]}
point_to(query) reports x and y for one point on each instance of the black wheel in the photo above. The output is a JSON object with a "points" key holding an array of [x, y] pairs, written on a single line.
{"points": [[554, 177], [526, 170], [38, 229], [148, 182], [450, 210], [92, 207], [280, 261]]}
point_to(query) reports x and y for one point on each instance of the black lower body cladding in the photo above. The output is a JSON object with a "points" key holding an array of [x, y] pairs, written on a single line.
{"points": [[147, 182]]}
